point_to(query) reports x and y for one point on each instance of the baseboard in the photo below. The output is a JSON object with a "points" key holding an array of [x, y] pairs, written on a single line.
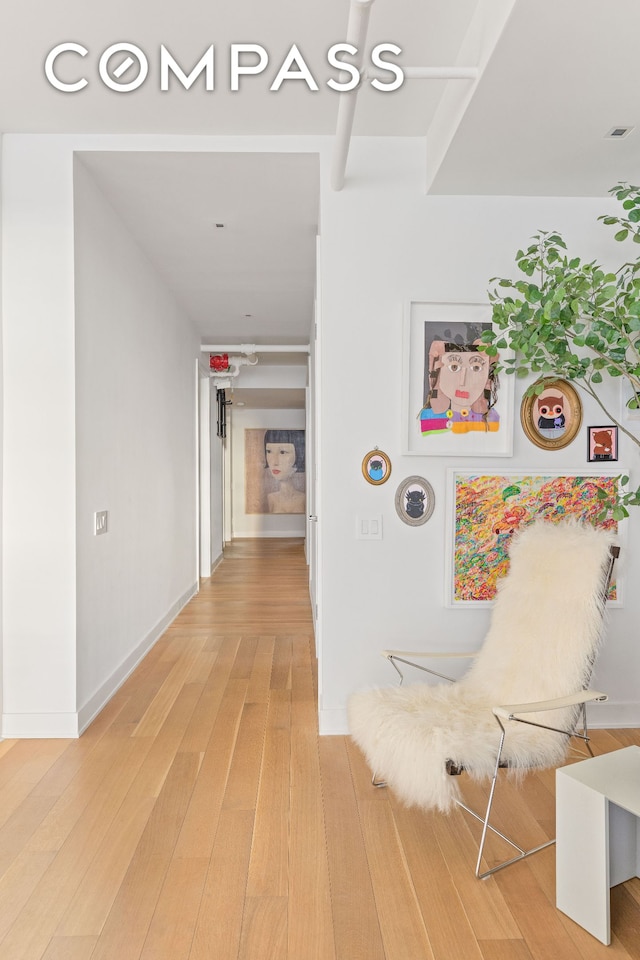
{"points": [[333, 722], [269, 535], [40, 726], [216, 563], [606, 715], [612, 715], [101, 697]]}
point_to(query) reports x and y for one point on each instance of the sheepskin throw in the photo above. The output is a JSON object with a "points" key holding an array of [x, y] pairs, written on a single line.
{"points": [[545, 629]]}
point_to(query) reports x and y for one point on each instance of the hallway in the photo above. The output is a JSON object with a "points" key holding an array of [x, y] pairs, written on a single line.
{"points": [[200, 817]]}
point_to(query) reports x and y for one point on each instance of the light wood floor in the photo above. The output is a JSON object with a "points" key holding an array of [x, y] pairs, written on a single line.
{"points": [[201, 818]]}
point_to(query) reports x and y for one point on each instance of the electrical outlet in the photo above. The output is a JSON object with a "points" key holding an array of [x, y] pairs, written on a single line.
{"points": [[100, 522]]}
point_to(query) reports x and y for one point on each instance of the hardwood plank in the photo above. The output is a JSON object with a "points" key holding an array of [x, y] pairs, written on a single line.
{"points": [[173, 923], [243, 664], [72, 806], [198, 732], [538, 919], [27, 762], [90, 906], [18, 883], [50, 899], [504, 950], [281, 669], [141, 688], [159, 708], [180, 714], [164, 824], [202, 666], [484, 905], [6, 745], [200, 824], [633, 887], [32, 768], [362, 776], [310, 926], [269, 862], [70, 948], [130, 917], [625, 737], [264, 929], [355, 921], [448, 928], [20, 827], [625, 919], [403, 931], [356, 927], [85, 781], [219, 922], [260, 677], [244, 773]]}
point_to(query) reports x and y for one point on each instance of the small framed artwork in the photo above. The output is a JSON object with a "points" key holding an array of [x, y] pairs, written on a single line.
{"points": [[602, 444], [455, 403], [376, 467], [551, 417], [415, 501]]}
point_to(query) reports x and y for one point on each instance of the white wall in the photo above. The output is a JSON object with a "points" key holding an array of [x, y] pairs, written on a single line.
{"points": [[1, 430], [39, 561], [383, 243], [135, 448], [259, 525]]}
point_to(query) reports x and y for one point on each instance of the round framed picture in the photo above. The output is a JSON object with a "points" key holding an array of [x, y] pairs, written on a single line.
{"points": [[415, 501], [551, 416], [376, 467]]}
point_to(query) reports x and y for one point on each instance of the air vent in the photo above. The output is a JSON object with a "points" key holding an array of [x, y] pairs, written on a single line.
{"points": [[617, 133]]}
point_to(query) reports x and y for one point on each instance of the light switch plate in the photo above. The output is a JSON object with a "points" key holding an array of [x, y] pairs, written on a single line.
{"points": [[369, 528]]}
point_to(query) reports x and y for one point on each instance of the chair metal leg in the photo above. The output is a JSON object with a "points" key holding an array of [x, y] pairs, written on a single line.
{"points": [[484, 820], [486, 826]]}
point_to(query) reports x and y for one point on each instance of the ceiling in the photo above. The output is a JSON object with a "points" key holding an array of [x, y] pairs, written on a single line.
{"points": [[554, 76], [233, 234]]}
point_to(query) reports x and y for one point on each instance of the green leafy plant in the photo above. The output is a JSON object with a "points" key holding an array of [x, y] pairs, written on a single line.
{"points": [[573, 319]]}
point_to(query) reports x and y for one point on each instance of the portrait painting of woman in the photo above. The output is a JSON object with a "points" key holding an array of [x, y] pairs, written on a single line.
{"points": [[455, 403], [275, 471], [462, 389]]}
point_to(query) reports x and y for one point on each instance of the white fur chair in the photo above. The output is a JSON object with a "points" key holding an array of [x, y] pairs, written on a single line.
{"points": [[524, 696]]}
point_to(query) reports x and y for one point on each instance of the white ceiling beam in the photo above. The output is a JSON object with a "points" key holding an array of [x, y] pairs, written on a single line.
{"points": [[250, 348], [357, 35], [430, 73]]}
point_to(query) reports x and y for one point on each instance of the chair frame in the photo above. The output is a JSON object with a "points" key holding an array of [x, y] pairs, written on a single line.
{"points": [[504, 714]]}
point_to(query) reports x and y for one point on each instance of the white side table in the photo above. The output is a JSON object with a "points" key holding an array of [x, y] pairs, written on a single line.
{"points": [[597, 835]]}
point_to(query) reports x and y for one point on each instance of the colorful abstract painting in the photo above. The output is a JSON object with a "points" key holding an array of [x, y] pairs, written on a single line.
{"points": [[489, 508], [455, 401]]}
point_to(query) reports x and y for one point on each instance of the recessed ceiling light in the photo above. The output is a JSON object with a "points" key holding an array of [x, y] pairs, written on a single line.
{"points": [[616, 133], [240, 403]]}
